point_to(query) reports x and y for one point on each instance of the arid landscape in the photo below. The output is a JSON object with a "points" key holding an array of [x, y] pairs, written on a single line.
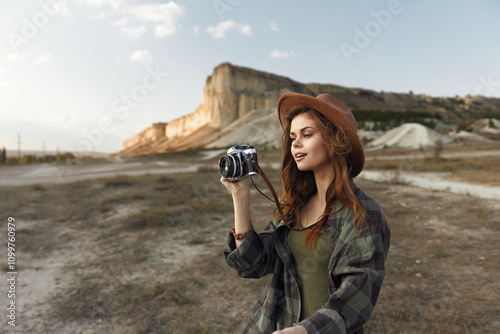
{"points": [[133, 245], [114, 115]]}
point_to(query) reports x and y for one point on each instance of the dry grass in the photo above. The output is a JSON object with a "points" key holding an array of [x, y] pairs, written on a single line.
{"points": [[143, 255], [440, 265], [476, 168], [489, 178]]}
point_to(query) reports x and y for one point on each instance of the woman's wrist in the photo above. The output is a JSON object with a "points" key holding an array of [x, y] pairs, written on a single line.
{"points": [[239, 236], [241, 210], [241, 196]]}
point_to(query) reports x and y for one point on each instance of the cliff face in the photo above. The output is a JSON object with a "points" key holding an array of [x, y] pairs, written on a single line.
{"points": [[153, 133], [238, 102], [231, 92], [188, 124]]}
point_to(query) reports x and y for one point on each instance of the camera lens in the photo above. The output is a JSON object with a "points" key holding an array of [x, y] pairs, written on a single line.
{"points": [[228, 167], [224, 167]]}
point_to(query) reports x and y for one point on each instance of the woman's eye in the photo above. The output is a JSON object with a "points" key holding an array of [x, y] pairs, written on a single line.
{"points": [[292, 139]]}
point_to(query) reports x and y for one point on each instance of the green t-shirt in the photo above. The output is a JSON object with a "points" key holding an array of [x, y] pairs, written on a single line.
{"points": [[312, 270]]}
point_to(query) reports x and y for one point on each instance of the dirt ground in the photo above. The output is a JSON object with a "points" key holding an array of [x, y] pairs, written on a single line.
{"points": [[142, 254]]}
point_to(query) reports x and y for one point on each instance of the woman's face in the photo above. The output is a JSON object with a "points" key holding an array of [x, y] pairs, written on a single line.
{"points": [[308, 148]]}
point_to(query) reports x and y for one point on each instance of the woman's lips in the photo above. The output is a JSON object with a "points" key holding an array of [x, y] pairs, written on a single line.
{"points": [[300, 156]]}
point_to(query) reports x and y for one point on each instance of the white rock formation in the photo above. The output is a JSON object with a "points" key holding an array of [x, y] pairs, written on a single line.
{"points": [[410, 135]]}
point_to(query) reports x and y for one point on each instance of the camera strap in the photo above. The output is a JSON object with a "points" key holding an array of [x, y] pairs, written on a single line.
{"points": [[270, 186]]}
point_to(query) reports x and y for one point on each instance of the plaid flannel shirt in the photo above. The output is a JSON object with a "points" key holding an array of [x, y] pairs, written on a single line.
{"points": [[355, 273]]}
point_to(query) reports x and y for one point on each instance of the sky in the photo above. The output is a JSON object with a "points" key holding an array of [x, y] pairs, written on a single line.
{"points": [[86, 75]]}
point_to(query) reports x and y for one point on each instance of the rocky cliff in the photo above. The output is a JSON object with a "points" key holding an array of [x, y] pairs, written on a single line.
{"points": [[239, 106], [230, 93], [151, 134]]}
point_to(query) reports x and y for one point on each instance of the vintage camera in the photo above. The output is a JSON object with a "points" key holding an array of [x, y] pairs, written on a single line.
{"points": [[238, 163]]}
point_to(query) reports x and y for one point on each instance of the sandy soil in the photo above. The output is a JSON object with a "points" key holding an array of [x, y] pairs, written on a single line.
{"points": [[86, 170]]}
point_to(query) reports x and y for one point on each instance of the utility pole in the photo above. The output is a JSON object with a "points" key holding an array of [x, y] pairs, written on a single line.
{"points": [[19, 147]]}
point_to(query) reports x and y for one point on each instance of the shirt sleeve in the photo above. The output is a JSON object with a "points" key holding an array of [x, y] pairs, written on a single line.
{"points": [[359, 270], [256, 255]]}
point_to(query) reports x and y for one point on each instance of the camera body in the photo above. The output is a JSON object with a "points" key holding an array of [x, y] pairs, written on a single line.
{"points": [[238, 163]]}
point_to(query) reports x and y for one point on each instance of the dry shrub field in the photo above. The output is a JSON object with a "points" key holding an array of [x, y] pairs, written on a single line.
{"points": [[143, 255]]}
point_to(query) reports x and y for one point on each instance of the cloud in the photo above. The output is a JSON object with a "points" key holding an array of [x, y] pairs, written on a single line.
{"points": [[63, 119], [162, 30], [282, 54], [134, 32], [2, 70], [141, 56], [166, 16], [273, 26], [115, 4], [44, 59], [16, 56], [196, 29], [221, 29], [100, 16], [121, 22]]}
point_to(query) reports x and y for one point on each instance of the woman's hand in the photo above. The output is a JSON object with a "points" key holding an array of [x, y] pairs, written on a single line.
{"points": [[292, 330], [240, 189]]}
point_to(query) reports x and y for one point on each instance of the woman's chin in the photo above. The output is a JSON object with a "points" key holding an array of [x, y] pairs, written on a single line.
{"points": [[303, 168]]}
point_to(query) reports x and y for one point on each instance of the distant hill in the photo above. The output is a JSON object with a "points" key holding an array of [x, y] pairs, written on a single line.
{"points": [[239, 106]]}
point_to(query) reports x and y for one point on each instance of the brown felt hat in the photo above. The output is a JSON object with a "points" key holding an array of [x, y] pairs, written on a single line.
{"points": [[336, 112]]}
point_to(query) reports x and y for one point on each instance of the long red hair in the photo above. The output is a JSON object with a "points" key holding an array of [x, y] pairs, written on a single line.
{"points": [[298, 185]]}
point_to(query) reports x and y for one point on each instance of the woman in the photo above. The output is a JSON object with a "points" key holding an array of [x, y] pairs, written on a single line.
{"points": [[327, 256]]}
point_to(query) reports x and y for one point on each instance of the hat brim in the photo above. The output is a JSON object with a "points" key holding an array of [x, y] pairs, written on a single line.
{"points": [[336, 112]]}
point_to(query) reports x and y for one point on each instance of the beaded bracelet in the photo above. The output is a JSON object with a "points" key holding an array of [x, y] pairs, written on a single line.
{"points": [[241, 236]]}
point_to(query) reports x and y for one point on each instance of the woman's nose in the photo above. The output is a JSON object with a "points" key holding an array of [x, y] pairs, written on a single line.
{"points": [[296, 143]]}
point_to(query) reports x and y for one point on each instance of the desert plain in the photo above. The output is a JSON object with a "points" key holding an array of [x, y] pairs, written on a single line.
{"points": [[134, 245]]}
